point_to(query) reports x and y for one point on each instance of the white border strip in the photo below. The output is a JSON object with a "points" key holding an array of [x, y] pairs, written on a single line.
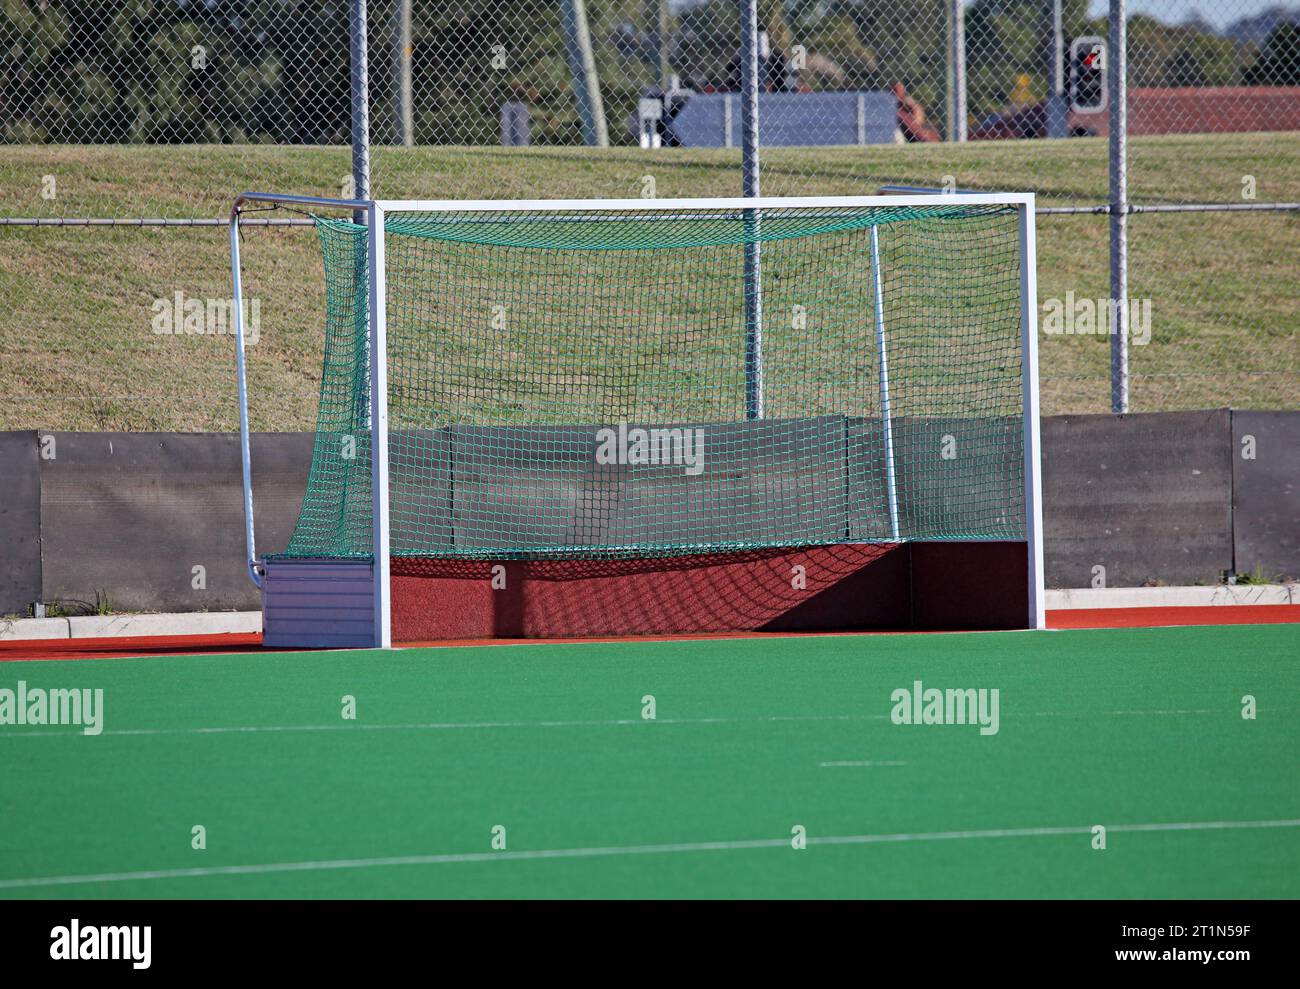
{"points": [[127, 627], [1222, 595], [614, 850]]}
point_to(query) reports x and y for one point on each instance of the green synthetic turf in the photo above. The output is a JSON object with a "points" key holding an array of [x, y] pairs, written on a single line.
{"points": [[1096, 727]]}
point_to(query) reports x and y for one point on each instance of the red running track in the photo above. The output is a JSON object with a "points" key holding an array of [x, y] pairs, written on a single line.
{"points": [[1228, 614], [195, 645], [135, 645]]}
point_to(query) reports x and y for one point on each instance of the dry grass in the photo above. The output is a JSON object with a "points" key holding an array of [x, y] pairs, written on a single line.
{"points": [[78, 350]]}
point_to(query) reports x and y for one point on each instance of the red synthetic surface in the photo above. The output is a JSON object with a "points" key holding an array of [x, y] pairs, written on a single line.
{"points": [[437, 600], [1228, 614], [178, 645], [136, 645], [957, 585]]}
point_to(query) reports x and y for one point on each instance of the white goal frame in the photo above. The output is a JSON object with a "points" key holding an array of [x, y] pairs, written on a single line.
{"points": [[372, 213]]}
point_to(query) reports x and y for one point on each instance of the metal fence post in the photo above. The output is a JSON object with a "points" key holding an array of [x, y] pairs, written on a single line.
{"points": [[360, 104], [656, 18], [750, 189], [1118, 143], [582, 67], [1057, 123], [956, 71], [403, 113]]}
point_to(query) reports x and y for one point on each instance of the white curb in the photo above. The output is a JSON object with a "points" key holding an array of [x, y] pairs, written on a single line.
{"points": [[33, 628], [194, 623], [128, 626], [1171, 597]]}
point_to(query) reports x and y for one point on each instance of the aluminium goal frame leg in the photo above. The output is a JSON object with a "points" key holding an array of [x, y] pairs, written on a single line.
{"points": [[377, 315], [378, 342], [1029, 410], [886, 411]]}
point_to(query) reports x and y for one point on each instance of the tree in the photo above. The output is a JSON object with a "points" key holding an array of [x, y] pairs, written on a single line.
{"points": [[1279, 63], [1183, 68]]}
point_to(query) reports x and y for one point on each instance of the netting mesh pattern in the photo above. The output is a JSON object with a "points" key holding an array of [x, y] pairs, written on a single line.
{"points": [[569, 384]]}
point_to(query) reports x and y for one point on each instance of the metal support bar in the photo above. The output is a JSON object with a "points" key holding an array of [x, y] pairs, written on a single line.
{"points": [[241, 370], [753, 315], [882, 359], [1105, 209], [245, 447], [76, 221]]}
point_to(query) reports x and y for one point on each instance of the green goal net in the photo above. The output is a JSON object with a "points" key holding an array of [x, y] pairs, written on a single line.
{"points": [[582, 383]]}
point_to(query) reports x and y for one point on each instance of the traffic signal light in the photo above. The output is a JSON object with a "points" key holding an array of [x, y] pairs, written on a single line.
{"points": [[1088, 75]]}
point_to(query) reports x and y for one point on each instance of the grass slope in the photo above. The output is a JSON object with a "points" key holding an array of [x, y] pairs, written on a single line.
{"points": [[78, 348]]}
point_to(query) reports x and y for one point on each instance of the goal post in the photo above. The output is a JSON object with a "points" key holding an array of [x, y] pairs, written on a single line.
{"points": [[377, 341], [535, 414], [1032, 444]]}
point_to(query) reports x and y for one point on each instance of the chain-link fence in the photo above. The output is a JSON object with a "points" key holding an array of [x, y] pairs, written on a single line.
{"points": [[165, 109]]}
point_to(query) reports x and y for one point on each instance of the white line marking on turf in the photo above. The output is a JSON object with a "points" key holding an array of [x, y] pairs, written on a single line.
{"points": [[457, 725], [613, 723], [1080, 714], [574, 853], [847, 763]]}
